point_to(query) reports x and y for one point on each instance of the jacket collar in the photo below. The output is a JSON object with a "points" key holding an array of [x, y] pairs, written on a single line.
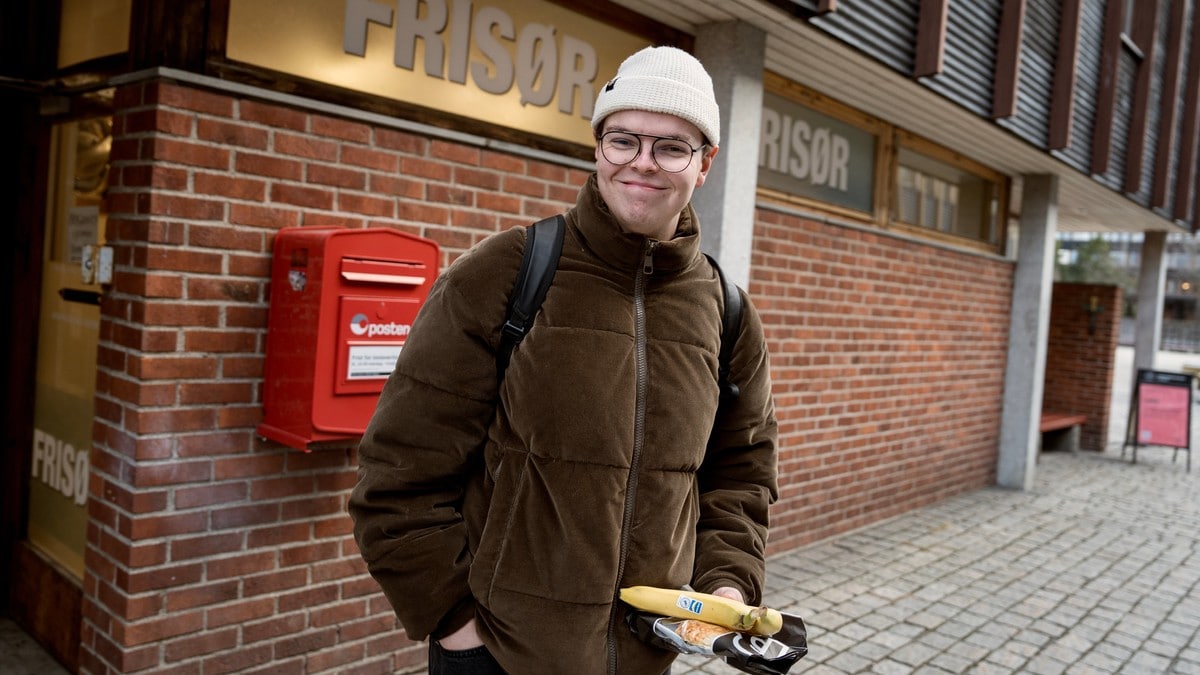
{"points": [[601, 234]]}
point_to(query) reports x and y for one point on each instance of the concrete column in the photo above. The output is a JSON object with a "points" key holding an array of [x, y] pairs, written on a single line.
{"points": [[1028, 331], [1152, 281], [734, 54]]}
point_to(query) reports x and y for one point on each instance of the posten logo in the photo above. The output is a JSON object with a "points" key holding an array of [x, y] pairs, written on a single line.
{"points": [[360, 325]]}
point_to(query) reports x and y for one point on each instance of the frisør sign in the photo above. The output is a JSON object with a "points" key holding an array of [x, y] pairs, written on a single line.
{"points": [[531, 65], [808, 154]]}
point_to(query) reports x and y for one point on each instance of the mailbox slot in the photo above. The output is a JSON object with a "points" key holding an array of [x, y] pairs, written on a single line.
{"points": [[401, 272]]}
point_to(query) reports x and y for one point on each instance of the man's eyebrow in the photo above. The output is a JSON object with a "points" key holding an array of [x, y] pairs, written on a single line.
{"points": [[672, 137]]}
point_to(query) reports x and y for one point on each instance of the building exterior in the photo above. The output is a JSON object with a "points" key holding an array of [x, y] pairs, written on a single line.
{"points": [[891, 180]]}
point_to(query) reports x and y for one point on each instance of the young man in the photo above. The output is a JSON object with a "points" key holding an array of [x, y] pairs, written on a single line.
{"points": [[501, 518]]}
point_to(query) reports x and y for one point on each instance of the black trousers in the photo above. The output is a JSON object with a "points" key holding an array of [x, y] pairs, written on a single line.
{"points": [[476, 661]]}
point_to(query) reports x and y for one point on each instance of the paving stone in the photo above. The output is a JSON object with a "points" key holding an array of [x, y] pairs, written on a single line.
{"points": [[1114, 651], [955, 629], [848, 662], [891, 639], [822, 669], [1174, 633], [1061, 652], [937, 641], [1032, 637], [1144, 662], [1162, 648], [876, 621], [951, 662], [1050, 628], [1044, 665], [831, 641], [1190, 654], [890, 667], [914, 654], [888, 592], [836, 595], [972, 619], [855, 631], [1013, 620], [1088, 632], [985, 640], [1095, 662], [1116, 637], [871, 652], [971, 652], [829, 620], [926, 620], [988, 668], [930, 670]]}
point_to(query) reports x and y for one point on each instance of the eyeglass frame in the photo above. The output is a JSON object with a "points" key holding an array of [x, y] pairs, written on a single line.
{"points": [[638, 153]]}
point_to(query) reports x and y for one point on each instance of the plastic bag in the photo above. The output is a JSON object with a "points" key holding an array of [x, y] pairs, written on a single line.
{"points": [[749, 653]]}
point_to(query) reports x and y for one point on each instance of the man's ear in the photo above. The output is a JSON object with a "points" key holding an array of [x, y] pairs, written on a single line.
{"points": [[706, 160]]}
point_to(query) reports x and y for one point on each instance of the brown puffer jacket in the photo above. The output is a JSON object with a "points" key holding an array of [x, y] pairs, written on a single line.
{"points": [[587, 471]]}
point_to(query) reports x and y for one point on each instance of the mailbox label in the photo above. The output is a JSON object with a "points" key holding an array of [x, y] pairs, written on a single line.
{"points": [[372, 362]]}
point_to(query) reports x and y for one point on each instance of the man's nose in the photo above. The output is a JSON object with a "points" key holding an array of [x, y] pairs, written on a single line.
{"points": [[644, 160]]}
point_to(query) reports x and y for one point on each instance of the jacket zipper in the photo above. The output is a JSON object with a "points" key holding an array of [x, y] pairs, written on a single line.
{"points": [[639, 437]]}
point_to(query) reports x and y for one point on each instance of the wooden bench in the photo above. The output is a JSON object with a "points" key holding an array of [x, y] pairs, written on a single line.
{"points": [[1060, 431]]}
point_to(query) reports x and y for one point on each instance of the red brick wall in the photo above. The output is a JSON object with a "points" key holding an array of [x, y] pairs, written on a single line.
{"points": [[210, 550], [1081, 356], [888, 362]]}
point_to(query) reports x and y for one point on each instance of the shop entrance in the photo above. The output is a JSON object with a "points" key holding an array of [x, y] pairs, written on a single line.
{"points": [[49, 561]]}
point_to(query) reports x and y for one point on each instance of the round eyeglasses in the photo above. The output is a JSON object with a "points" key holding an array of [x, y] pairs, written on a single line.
{"points": [[670, 154]]}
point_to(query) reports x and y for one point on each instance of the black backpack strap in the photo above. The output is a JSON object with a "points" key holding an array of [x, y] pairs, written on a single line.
{"points": [[731, 322], [539, 262]]}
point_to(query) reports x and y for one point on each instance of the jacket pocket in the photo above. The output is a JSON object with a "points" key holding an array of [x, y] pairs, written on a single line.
{"points": [[553, 531]]}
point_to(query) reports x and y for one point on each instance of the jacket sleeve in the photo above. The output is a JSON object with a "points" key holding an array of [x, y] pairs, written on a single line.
{"points": [[738, 480], [421, 448]]}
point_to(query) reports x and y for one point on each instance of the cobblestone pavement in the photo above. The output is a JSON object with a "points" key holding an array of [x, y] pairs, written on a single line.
{"points": [[1094, 570]]}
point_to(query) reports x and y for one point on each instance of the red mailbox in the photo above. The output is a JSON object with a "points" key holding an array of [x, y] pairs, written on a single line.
{"points": [[342, 303]]}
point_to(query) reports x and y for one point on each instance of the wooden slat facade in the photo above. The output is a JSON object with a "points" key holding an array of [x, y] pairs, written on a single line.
{"points": [[1182, 206], [1008, 59], [1066, 63], [931, 38], [1145, 29], [1169, 120]]}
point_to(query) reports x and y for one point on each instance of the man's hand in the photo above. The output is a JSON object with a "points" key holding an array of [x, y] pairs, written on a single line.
{"points": [[463, 638], [729, 592]]}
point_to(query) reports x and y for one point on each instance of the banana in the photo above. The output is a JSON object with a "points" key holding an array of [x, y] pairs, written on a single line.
{"points": [[705, 607]]}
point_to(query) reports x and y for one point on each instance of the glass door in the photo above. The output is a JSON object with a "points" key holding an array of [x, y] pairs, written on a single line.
{"points": [[68, 335]]}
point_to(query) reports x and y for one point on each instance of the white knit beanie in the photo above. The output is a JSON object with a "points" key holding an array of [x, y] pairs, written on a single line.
{"points": [[663, 80]]}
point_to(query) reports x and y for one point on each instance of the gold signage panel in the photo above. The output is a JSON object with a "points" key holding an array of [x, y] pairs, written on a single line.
{"points": [[530, 65]]}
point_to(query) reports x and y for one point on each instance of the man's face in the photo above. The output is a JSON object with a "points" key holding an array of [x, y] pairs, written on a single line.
{"points": [[645, 199]]}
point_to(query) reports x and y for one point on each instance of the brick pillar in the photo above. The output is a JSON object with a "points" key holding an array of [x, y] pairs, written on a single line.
{"points": [[1085, 327]]}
